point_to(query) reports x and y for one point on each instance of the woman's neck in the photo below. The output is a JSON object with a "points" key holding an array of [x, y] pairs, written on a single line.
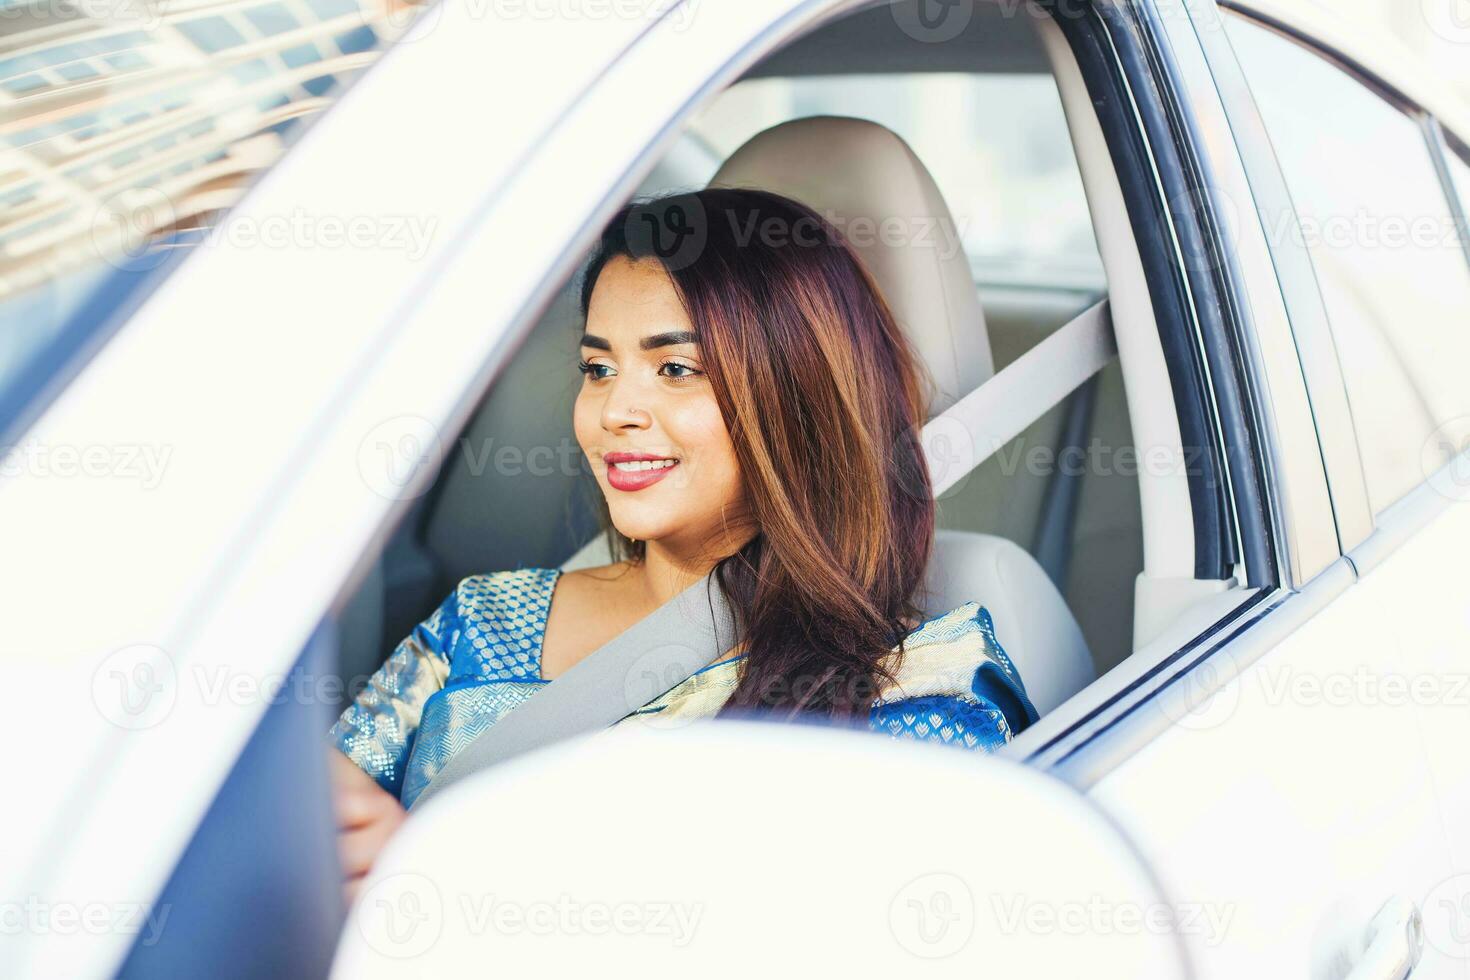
{"points": [[664, 573]]}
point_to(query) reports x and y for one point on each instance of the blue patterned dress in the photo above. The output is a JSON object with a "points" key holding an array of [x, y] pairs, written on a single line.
{"points": [[478, 656]]}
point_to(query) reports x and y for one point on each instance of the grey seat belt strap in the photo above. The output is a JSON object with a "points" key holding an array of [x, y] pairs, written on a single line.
{"points": [[645, 661], [974, 428]]}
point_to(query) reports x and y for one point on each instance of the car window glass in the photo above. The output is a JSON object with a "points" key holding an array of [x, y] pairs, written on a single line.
{"points": [[1382, 238]]}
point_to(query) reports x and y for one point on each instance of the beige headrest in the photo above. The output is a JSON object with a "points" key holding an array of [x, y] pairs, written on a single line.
{"points": [[866, 180]]}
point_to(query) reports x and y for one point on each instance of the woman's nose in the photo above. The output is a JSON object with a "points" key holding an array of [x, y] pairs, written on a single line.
{"points": [[622, 410]]}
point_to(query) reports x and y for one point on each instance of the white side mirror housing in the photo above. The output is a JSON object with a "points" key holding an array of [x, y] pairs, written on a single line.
{"points": [[744, 849]]}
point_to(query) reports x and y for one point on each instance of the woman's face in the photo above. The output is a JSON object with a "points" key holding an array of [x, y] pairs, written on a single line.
{"points": [[647, 419]]}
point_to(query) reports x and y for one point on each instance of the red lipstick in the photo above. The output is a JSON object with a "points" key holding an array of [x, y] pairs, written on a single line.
{"points": [[641, 476]]}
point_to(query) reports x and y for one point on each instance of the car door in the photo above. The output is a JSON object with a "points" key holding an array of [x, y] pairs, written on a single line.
{"points": [[151, 623], [1297, 788], [1385, 229]]}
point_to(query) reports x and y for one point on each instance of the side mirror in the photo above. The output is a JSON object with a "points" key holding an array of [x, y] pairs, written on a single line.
{"points": [[745, 849]]}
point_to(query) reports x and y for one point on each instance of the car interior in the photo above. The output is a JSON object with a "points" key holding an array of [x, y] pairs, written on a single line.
{"points": [[1078, 535]]}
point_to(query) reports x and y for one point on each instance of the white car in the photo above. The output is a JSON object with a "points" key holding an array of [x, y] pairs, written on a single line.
{"points": [[253, 435]]}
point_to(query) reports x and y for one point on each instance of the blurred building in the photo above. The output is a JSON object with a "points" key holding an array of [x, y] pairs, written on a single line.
{"points": [[124, 119]]}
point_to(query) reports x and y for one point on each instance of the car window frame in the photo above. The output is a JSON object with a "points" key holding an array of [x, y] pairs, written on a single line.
{"points": [[1243, 168], [1158, 56], [1264, 564]]}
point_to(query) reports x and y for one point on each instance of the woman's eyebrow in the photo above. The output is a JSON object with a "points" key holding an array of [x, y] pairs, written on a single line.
{"points": [[668, 339]]}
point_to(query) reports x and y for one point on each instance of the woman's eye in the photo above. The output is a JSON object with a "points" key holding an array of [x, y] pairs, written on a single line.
{"points": [[593, 371], [688, 372]]}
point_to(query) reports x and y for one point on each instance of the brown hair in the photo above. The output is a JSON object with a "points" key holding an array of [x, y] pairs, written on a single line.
{"points": [[823, 399]]}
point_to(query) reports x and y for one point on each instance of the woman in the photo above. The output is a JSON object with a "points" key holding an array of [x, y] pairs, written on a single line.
{"points": [[749, 406]]}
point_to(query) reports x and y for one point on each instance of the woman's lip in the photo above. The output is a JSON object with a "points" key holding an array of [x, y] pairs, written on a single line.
{"points": [[624, 456], [637, 480]]}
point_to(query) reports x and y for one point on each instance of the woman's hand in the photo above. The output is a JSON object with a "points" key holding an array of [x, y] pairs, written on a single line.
{"points": [[367, 815]]}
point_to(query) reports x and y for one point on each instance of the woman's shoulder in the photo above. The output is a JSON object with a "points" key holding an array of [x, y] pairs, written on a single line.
{"points": [[518, 593], [954, 667], [946, 653], [507, 594], [970, 624]]}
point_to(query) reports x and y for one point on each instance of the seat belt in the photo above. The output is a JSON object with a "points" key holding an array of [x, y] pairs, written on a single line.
{"points": [[972, 429], [671, 644], [644, 662]]}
